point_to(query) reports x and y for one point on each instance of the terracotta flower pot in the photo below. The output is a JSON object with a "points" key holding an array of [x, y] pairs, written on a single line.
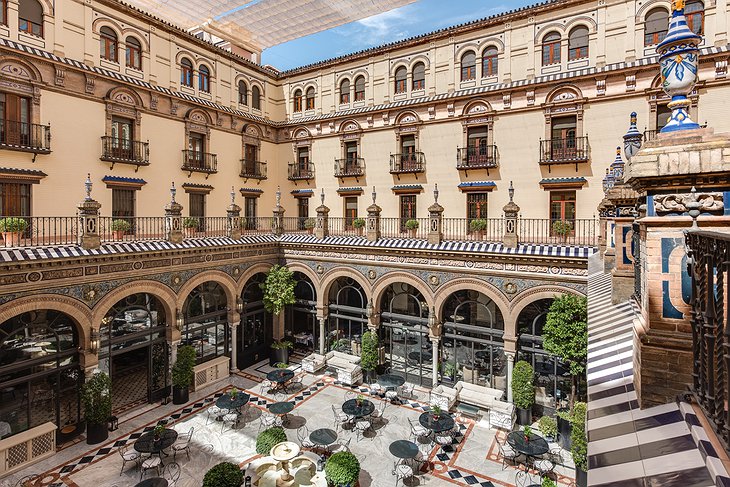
{"points": [[12, 238]]}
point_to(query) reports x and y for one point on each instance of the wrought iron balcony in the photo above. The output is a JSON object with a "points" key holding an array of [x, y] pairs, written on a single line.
{"points": [[124, 151], [251, 169], [568, 150], [26, 137], [650, 135], [408, 162], [298, 171], [476, 157], [194, 161], [351, 167]]}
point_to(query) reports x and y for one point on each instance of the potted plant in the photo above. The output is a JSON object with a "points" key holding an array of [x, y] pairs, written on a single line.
{"points": [[224, 474], [182, 374], [119, 228], [369, 355], [233, 393], [523, 391], [549, 427], [309, 224], [436, 411], [562, 228], [478, 226], [359, 399], [278, 288], [342, 469], [280, 353], [281, 365], [190, 225], [359, 224], [412, 226], [243, 224], [12, 229], [158, 430], [527, 431], [548, 482], [97, 401], [579, 448], [266, 440], [449, 371]]}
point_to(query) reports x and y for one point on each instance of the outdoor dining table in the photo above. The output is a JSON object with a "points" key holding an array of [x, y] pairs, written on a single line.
{"points": [[233, 403], [443, 422], [280, 377], [323, 437], [534, 447], [403, 449], [281, 409], [147, 443], [390, 381], [153, 482], [358, 408]]}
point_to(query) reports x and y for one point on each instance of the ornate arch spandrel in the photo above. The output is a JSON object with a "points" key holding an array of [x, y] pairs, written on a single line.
{"points": [[393, 277], [219, 277], [500, 300]]}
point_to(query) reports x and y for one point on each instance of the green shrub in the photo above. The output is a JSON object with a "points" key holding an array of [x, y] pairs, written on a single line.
{"points": [[369, 353], [190, 222], [120, 225], [97, 399], [310, 223], [579, 448], [268, 438], [280, 345], [478, 225], [278, 289], [224, 474], [182, 370], [342, 468], [562, 228], [523, 389], [412, 224], [358, 223], [548, 426], [548, 482], [13, 224]]}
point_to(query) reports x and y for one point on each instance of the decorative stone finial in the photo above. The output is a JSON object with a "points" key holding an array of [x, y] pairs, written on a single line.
{"points": [[173, 192], [608, 181], [617, 167], [278, 196], [632, 139], [511, 192], [87, 185], [693, 208], [321, 197], [374, 194], [233, 196], [436, 193]]}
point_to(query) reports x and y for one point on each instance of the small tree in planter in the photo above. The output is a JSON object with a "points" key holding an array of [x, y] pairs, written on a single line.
{"points": [[278, 289], [182, 374], [190, 224], [549, 427], [224, 474], [562, 229], [119, 228], [280, 353], [97, 401], [268, 438], [309, 224], [523, 391], [12, 229], [359, 224], [579, 448], [342, 469], [478, 226], [412, 226], [369, 354]]}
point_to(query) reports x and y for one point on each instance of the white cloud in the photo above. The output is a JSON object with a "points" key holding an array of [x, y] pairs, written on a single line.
{"points": [[384, 27]]}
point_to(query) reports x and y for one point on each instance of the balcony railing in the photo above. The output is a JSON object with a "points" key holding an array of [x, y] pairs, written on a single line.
{"points": [[194, 161], [22, 136], [408, 162], [463, 229], [37, 231], [650, 135], [398, 228], [124, 151], [545, 231], [300, 171], [568, 150], [477, 157], [253, 169], [349, 167]]}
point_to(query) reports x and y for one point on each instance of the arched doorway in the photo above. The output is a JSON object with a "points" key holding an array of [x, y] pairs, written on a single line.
{"points": [[40, 375], [133, 350], [552, 377], [347, 315], [205, 312], [301, 326], [472, 344], [404, 333], [257, 324]]}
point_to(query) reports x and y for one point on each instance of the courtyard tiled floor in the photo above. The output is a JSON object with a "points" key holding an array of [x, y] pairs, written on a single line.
{"points": [[473, 459]]}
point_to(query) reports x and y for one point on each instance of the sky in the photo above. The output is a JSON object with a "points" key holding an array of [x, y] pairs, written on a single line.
{"points": [[416, 18]]}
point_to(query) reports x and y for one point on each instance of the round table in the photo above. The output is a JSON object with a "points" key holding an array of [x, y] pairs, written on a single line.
{"points": [[403, 449], [534, 448], [228, 402], [147, 444], [444, 422], [420, 357], [352, 408], [391, 380], [153, 482], [280, 375], [323, 436], [281, 408]]}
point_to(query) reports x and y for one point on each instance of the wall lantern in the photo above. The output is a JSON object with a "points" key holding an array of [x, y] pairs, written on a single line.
{"points": [[94, 341], [179, 320], [240, 306]]}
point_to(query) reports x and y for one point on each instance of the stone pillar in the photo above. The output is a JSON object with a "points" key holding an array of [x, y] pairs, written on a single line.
{"points": [[89, 219], [173, 218], [173, 352], [373, 318], [373, 223], [234, 218], [511, 210], [435, 219], [322, 335], [434, 360], [510, 365], [322, 230], [233, 324], [277, 227]]}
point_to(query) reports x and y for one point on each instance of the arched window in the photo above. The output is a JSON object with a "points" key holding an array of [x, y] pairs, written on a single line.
{"points": [[401, 75], [347, 318], [489, 62], [30, 17], [134, 53], [256, 97], [551, 49], [310, 98], [108, 44], [242, 93], [694, 12], [204, 78], [256, 333], [345, 91], [655, 26], [468, 66], [578, 43], [298, 101], [300, 324], [360, 88], [419, 77], [206, 321], [186, 72]]}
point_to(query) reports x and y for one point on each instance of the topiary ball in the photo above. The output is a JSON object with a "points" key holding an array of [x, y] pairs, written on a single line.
{"points": [[342, 469], [268, 438], [224, 474]]}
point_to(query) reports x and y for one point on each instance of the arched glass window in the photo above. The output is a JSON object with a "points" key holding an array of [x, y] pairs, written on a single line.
{"points": [[656, 25], [360, 88], [298, 101], [345, 91], [401, 75], [468, 66], [347, 318], [256, 97], [108, 44], [301, 325], [694, 12], [578, 43], [310, 98], [489, 62], [551, 49], [206, 321], [186, 72], [204, 78], [419, 77], [242, 93], [134, 53], [30, 17]]}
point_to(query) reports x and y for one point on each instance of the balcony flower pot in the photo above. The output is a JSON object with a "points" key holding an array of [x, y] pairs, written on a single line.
{"points": [[97, 402], [565, 429], [309, 224], [478, 226], [190, 226], [12, 229], [12, 239], [119, 228], [359, 224], [412, 227]]}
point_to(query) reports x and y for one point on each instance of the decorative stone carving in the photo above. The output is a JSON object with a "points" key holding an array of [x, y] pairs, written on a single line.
{"points": [[60, 76], [564, 96], [302, 134], [507, 100], [677, 203], [479, 108], [372, 275], [600, 87], [90, 81], [531, 97], [154, 100], [721, 68], [408, 119], [630, 82], [15, 70]]}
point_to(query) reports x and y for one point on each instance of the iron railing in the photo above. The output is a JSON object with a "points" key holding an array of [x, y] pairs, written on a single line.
{"points": [[253, 169], [545, 231], [195, 161], [463, 229], [30, 137], [205, 226], [398, 227], [132, 229], [36, 231], [300, 171], [408, 162], [256, 224], [125, 151], [349, 167], [297, 224], [476, 157], [340, 226], [564, 150]]}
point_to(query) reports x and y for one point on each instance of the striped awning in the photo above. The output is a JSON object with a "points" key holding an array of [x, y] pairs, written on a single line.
{"points": [[563, 183], [473, 186]]}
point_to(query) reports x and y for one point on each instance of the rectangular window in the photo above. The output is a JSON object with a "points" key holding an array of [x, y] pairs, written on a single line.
{"points": [[408, 152], [250, 152], [123, 203], [134, 57], [400, 86], [15, 199], [15, 127], [563, 134], [196, 146], [407, 209], [350, 211], [302, 211], [197, 205], [303, 157], [249, 207], [468, 73], [476, 206], [562, 206]]}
